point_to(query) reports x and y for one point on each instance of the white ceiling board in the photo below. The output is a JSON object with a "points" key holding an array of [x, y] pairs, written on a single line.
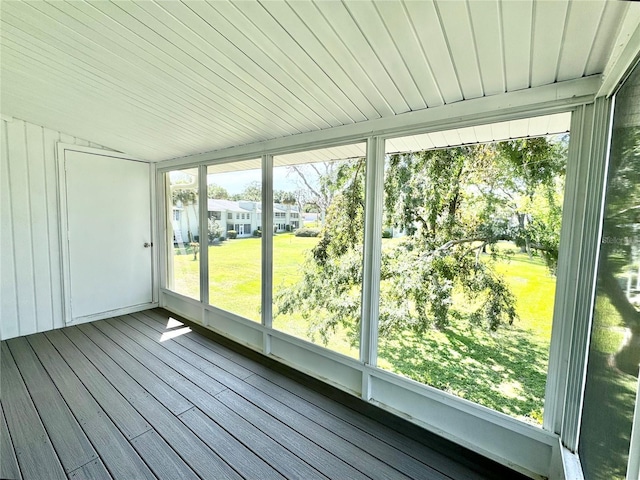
{"points": [[357, 150], [326, 34], [124, 50], [452, 137], [541, 124], [604, 42], [119, 111], [456, 24], [21, 53], [317, 81], [526, 127], [517, 19], [342, 90], [371, 25], [75, 44], [159, 80], [487, 28], [519, 128], [244, 165], [294, 68], [548, 28], [345, 26], [580, 32], [467, 135], [235, 71], [68, 49], [434, 44], [159, 51], [399, 25], [438, 139]]}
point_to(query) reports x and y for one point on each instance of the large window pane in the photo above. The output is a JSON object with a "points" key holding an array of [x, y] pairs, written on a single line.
{"points": [[614, 355], [183, 242], [317, 246], [469, 252], [234, 203]]}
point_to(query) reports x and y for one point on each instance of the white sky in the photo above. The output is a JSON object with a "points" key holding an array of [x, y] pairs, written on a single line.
{"points": [[236, 182]]}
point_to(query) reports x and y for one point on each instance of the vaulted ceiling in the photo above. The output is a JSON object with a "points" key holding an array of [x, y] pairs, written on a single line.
{"points": [[162, 80]]}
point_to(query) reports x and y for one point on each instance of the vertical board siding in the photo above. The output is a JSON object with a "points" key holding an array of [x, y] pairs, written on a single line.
{"points": [[8, 294], [31, 288]]}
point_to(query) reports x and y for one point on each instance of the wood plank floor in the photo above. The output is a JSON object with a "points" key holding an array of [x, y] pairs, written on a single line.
{"points": [[144, 396]]}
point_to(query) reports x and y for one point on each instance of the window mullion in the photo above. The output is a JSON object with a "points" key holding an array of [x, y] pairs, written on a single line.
{"points": [[267, 243], [203, 233], [372, 250]]}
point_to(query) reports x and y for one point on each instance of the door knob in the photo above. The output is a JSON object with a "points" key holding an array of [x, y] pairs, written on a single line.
{"points": [[147, 245]]}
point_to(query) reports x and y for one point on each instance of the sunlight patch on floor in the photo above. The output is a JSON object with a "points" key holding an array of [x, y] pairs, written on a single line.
{"points": [[174, 333], [172, 323]]}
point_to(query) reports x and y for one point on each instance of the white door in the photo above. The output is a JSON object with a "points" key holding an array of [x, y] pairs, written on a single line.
{"points": [[108, 250]]}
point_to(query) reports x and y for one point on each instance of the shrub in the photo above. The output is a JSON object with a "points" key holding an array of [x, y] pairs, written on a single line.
{"points": [[257, 233], [232, 234], [214, 230], [387, 234], [222, 238], [307, 232]]}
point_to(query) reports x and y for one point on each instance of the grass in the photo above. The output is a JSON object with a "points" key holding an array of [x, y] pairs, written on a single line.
{"points": [[504, 370]]}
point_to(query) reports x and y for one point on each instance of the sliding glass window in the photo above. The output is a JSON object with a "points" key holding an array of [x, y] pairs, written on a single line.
{"points": [[469, 253], [234, 237], [183, 232], [318, 225]]}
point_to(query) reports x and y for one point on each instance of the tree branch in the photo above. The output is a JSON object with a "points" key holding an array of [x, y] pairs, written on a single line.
{"points": [[307, 184]]}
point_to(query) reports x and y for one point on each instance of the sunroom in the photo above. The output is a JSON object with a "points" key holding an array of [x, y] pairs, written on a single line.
{"points": [[332, 239]]}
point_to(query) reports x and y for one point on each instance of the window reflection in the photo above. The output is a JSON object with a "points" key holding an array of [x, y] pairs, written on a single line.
{"points": [[614, 355], [183, 242]]}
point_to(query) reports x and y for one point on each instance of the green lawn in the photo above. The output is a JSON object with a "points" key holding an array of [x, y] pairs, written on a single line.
{"points": [[504, 370]]}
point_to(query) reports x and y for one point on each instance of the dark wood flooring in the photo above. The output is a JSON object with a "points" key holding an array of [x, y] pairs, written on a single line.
{"points": [[141, 396]]}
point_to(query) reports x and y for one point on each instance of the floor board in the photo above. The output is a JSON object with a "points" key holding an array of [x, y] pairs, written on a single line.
{"points": [[36, 457], [106, 418], [197, 455], [282, 423], [71, 444], [8, 462], [146, 396]]}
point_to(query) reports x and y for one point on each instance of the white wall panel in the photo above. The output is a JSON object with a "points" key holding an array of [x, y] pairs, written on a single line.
{"points": [[31, 285]]}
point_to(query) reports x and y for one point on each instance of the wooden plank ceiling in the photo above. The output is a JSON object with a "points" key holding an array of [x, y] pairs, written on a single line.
{"points": [[161, 80]]}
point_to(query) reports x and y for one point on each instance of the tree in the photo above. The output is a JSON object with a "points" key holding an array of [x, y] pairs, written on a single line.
{"points": [[252, 192], [284, 197], [315, 179], [185, 197], [217, 192], [534, 166], [214, 230], [325, 295], [451, 204]]}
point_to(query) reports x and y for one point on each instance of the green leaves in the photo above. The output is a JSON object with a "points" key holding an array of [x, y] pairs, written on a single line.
{"points": [[453, 206]]}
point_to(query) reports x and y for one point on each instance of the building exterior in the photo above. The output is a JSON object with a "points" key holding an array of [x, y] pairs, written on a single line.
{"points": [[242, 216]]}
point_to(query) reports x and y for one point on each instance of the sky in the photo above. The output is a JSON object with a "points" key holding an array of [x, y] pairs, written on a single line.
{"points": [[236, 182]]}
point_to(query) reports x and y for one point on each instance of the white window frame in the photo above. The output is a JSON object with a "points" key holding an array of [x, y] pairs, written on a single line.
{"points": [[531, 450]]}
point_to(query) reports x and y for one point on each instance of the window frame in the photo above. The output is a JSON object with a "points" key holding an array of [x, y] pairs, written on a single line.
{"points": [[468, 424]]}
